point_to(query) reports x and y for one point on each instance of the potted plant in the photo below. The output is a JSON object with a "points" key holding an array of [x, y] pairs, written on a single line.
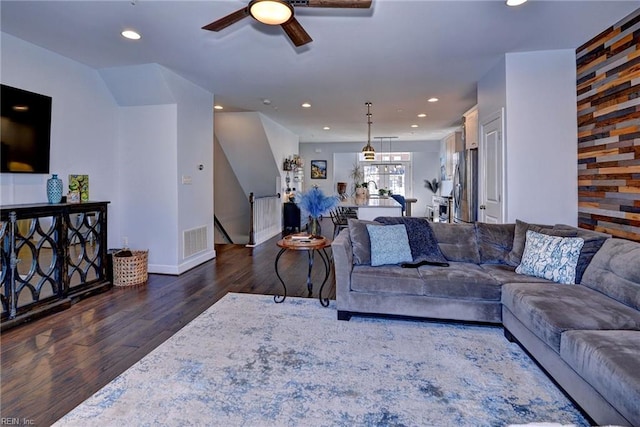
{"points": [[362, 189], [357, 176]]}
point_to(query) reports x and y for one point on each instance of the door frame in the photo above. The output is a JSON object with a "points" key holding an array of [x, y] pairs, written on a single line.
{"points": [[497, 115]]}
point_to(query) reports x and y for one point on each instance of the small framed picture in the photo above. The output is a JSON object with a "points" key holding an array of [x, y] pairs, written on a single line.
{"points": [[318, 169]]}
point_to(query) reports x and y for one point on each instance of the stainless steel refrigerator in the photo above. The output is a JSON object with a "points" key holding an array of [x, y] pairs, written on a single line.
{"points": [[465, 186]]}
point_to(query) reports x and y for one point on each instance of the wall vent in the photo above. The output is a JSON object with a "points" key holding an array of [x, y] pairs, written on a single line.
{"points": [[194, 241]]}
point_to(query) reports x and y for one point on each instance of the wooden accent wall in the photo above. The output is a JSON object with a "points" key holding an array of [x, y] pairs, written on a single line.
{"points": [[608, 88]]}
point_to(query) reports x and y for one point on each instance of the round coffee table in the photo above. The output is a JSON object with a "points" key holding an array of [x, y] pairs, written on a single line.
{"points": [[313, 245]]}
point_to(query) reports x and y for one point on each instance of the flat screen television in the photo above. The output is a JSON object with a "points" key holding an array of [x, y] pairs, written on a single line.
{"points": [[25, 131]]}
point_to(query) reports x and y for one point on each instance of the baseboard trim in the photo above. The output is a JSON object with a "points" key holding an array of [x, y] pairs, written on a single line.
{"points": [[187, 265]]}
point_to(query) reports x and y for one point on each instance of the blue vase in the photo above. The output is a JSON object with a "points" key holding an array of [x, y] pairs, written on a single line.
{"points": [[54, 189]]}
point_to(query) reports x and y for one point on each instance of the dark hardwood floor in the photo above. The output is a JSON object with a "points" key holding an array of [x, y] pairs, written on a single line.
{"points": [[51, 365]]}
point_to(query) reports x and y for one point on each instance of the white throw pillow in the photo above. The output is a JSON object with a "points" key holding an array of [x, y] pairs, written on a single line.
{"points": [[551, 257]]}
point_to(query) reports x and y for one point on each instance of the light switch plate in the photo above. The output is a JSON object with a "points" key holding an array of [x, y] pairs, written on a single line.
{"points": [[186, 179]]}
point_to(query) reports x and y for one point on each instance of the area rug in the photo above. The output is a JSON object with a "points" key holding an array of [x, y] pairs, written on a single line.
{"points": [[247, 361]]}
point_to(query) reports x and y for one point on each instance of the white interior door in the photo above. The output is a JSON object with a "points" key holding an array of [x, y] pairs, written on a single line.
{"points": [[492, 170]]}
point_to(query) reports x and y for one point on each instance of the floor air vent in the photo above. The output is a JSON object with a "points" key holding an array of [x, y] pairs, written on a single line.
{"points": [[194, 240]]}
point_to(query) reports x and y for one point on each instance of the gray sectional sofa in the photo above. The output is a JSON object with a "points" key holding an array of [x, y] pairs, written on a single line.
{"points": [[586, 335]]}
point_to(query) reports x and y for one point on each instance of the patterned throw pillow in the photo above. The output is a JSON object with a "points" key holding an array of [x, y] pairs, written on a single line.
{"points": [[389, 244], [551, 257]]}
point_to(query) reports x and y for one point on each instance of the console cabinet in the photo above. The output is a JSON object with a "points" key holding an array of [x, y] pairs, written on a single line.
{"points": [[52, 255]]}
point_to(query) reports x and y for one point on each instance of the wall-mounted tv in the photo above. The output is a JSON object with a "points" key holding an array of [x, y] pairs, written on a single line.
{"points": [[25, 131]]}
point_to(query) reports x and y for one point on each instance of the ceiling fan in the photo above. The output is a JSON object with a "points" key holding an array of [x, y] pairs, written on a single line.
{"points": [[280, 12]]}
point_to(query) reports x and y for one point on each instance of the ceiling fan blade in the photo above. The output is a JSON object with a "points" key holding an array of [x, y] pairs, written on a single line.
{"points": [[296, 33], [224, 22], [360, 4]]}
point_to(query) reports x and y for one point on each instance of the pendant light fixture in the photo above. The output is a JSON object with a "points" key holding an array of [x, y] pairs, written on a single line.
{"points": [[367, 150]]}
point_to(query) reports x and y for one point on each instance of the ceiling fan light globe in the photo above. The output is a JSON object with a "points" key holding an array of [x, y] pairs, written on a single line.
{"points": [[271, 12]]}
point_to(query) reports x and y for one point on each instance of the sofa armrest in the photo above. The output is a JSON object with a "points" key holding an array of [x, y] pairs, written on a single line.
{"points": [[343, 264]]}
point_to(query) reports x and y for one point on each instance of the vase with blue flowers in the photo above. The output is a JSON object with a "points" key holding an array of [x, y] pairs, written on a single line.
{"points": [[315, 204]]}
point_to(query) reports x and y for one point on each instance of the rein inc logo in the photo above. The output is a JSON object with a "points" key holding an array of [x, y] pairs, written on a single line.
{"points": [[14, 421]]}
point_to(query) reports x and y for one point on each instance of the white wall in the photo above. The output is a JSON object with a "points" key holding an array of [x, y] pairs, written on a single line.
{"points": [[169, 137], [492, 91], [541, 137], [194, 149], [83, 125], [243, 139], [537, 90], [284, 144], [147, 182], [134, 156]]}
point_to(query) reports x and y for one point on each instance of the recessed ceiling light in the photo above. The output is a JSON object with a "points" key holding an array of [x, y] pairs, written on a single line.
{"points": [[130, 34], [414, 126], [422, 115], [266, 101], [306, 105], [515, 2], [433, 100], [326, 128], [218, 107]]}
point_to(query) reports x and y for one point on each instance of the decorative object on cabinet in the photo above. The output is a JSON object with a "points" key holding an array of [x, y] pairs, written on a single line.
{"points": [[342, 190], [54, 189], [318, 169], [292, 163], [470, 128], [79, 184], [367, 150]]}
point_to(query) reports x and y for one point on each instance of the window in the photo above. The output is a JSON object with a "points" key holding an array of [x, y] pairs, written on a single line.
{"points": [[389, 171]]}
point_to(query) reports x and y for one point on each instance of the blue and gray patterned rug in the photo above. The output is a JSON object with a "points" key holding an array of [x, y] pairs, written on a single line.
{"points": [[249, 362]]}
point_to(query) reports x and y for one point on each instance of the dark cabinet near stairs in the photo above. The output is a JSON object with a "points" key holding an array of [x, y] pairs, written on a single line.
{"points": [[292, 218]]}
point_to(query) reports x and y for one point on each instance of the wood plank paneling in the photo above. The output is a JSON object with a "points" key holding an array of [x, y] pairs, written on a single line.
{"points": [[608, 91]]}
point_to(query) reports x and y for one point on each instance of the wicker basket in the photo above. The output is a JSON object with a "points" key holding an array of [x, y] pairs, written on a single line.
{"points": [[130, 270]]}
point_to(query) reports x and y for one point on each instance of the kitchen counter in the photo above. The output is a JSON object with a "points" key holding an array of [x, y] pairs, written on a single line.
{"points": [[369, 208]]}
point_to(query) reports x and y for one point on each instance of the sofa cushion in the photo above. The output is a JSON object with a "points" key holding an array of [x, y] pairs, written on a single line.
{"points": [[610, 362], [551, 257], [615, 271], [460, 280], [423, 243], [386, 280], [548, 310], [360, 244], [507, 274], [389, 244], [457, 242], [494, 242], [520, 237]]}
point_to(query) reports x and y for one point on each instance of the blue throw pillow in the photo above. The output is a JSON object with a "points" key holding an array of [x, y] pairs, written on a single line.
{"points": [[389, 244], [551, 257], [422, 240]]}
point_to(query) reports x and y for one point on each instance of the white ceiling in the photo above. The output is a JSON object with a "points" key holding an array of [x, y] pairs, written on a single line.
{"points": [[396, 54]]}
